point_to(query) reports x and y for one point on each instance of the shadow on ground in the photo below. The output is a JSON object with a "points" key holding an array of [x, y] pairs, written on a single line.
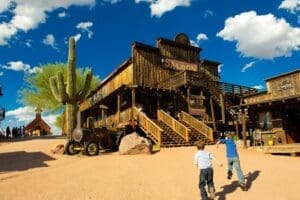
{"points": [[250, 178], [22, 160]]}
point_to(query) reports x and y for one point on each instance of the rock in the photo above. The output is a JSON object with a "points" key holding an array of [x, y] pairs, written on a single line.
{"points": [[134, 144], [59, 149]]}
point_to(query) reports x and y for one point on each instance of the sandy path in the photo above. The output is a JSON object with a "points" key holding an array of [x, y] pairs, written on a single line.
{"points": [[29, 171]]}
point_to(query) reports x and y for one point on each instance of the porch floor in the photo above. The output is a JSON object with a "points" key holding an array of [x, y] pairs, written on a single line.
{"points": [[292, 149]]}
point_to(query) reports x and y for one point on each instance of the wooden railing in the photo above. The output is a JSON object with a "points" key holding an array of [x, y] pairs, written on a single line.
{"points": [[178, 127], [112, 121], [198, 125], [201, 79], [149, 127], [228, 88]]}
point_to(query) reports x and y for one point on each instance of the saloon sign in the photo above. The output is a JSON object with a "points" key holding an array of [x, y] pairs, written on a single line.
{"points": [[285, 84]]}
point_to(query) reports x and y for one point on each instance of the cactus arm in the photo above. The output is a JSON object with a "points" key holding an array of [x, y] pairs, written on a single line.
{"points": [[88, 79], [61, 87], [54, 88], [71, 74]]}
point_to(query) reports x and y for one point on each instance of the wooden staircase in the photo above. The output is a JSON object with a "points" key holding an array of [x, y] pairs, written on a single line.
{"points": [[180, 133], [196, 135], [169, 137]]}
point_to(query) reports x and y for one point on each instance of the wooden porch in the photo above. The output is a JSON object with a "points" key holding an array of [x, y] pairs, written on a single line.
{"points": [[164, 131], [292, 149]]}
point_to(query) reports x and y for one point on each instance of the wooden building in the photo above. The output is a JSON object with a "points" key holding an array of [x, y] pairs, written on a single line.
{"points": [[38, 126], [175, 95], [276, 111]]}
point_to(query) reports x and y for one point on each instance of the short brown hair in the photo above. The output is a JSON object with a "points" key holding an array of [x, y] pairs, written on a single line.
{"points": [[199, 144], [229, 135]]}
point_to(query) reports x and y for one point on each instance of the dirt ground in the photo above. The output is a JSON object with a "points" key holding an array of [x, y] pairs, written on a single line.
{"points": [[28, 170]]}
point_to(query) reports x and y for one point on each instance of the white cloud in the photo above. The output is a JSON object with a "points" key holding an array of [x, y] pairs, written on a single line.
{"points": [[259, 87], [261, 36], [19, 66], [1, 73], [200, 37], [290, 5], [112, 1], [160, 7], [208, 13], [49, 40], [28, 43], [220, 68], [4, 5], [27, 15], [247, 66], [7, 31], [194, 43], [85, 27], [25, 115], [62, 14]]}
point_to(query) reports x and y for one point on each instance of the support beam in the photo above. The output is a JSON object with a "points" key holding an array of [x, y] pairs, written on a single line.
{"points": [[119, 108], [188, 98], [236, 124], [222, 108], [133, 102], [212, 113], [244, 129], [158, 101]]}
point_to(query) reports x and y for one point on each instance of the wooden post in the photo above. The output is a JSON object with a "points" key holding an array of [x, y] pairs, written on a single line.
{"points": [[133, 95], [222, 108], [244, 129], [158, 101], [103, 114], [188, 98], [236, 123], [119, 108], [212, 113]]}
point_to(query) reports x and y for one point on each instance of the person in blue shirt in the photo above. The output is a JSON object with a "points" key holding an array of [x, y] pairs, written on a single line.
{"points": [[233, 159], [203, 159]]}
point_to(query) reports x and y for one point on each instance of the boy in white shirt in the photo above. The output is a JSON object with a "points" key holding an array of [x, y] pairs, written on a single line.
{"points": [[203, 159]]}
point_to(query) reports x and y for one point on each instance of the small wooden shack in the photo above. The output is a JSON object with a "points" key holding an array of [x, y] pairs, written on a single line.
{"points": [[276, 111], [37, 127], [175, 95]]}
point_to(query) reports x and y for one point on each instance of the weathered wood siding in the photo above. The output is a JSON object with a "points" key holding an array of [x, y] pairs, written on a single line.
{"points": [[210, 70], [284, 86], [278, 88], [125, 77], [178, 53], [147, 70]]}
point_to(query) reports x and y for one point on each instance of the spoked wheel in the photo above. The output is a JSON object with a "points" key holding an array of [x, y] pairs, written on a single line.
{"points": [[73, 148], [91, 149]]}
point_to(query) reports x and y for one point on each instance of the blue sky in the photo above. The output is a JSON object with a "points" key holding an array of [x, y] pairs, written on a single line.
{"points": [[253, 39]]}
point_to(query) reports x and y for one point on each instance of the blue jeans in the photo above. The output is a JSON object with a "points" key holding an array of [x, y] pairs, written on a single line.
{"points": [[235, 162], [206, 177]]}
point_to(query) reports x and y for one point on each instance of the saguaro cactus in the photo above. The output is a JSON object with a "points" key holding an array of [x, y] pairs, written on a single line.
{"points": [[67, 93]]}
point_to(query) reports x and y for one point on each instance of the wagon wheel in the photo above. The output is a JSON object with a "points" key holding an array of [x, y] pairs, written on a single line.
{"points": [[91, 149], [72, 147]]}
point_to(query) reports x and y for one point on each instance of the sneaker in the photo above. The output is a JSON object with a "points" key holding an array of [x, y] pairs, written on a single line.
{"points": [[229, 174], [211, 191], [243, 186]]}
